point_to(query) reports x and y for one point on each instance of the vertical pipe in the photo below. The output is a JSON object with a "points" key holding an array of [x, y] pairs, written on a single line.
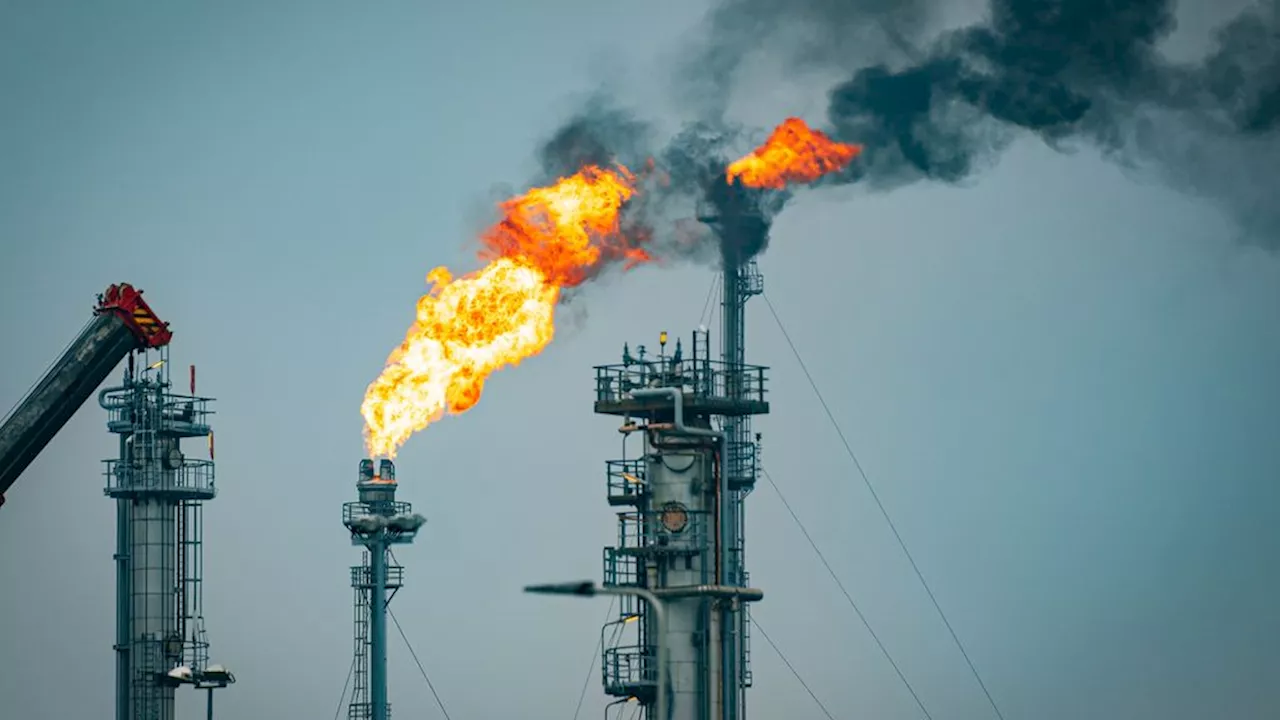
{"points": [[122, 606], [180, 553], [378, 629], [731, 314]]}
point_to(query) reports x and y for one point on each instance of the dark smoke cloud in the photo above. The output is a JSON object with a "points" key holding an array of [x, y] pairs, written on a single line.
{"points": [[687, 182], [1080, 70], [1067, 71], [674, 176], [797, 33], [688, 178], [601, 133]]}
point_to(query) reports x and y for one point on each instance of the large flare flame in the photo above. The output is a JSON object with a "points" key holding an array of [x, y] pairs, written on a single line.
{"points": [[549, 238], [794, 153]]}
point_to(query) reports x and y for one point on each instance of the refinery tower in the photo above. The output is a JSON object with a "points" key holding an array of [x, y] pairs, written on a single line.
{"points": [[689, 460], [160, 493]]}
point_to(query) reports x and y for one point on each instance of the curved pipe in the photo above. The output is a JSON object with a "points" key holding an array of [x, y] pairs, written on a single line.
{"points": [[102, 398], [677, 402]]}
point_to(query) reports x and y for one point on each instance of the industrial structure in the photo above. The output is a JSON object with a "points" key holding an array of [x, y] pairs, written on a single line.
{"points": [[159, 493], [683, 536], [376, 522]]}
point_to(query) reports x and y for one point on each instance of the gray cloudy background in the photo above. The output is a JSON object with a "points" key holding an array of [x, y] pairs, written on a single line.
{"points": [[1060, 375]]}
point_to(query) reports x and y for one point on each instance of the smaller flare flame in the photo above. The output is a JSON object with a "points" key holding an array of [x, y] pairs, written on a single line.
{"points": [[794, 153]]}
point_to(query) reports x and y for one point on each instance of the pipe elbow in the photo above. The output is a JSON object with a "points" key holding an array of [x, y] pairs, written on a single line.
{"points": [[102, 397], [677, 401], [676, 394]]}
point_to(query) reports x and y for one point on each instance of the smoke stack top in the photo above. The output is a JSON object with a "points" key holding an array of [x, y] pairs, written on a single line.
{"points": [[747, 192]]}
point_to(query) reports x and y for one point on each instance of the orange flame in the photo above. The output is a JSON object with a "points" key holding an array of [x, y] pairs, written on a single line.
{"points": [[468, 327], [793, 153]]}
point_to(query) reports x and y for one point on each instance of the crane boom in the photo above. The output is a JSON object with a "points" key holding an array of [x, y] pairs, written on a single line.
{"points": [[122, 323]]}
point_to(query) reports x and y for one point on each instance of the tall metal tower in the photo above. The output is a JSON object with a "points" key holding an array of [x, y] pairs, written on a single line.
{"points": [[376, 522], [683, 539], [160, 494], [733, 213]]}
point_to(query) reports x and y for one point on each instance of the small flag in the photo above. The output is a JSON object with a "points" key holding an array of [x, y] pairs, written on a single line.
{"points": [[210, 444], [193, 379]]}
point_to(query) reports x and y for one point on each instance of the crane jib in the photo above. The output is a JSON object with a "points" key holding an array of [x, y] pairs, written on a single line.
{"points": [[122, 322]]}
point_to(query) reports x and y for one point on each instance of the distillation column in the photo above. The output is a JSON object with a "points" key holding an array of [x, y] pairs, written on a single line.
{"points": [[159, 493], [675, 541], [681, 524], [376, 522]]}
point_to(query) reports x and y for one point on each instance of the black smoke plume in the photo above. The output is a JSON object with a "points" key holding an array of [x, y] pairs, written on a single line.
{"points": [[797, 34], [1068, 71], [601, 133], [1062, 70]]}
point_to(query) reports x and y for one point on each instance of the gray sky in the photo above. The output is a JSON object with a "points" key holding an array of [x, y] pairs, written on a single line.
{"points": [[1061, 379]]}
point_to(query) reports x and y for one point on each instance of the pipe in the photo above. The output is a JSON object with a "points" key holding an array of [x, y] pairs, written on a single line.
{"points": [[102, 398], [378, 628], [718, 472], [660, 629], [724, 591], [124, 599], [677, 400]]}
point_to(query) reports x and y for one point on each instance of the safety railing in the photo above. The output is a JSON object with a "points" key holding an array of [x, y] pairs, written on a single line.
{"points": [[629, 668], [626, 480], [698, 379], [190, 478], [364, 711], [621, 569], [353, 510], [362, 576], [668, 529], [148, 405], [741, 467]]}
